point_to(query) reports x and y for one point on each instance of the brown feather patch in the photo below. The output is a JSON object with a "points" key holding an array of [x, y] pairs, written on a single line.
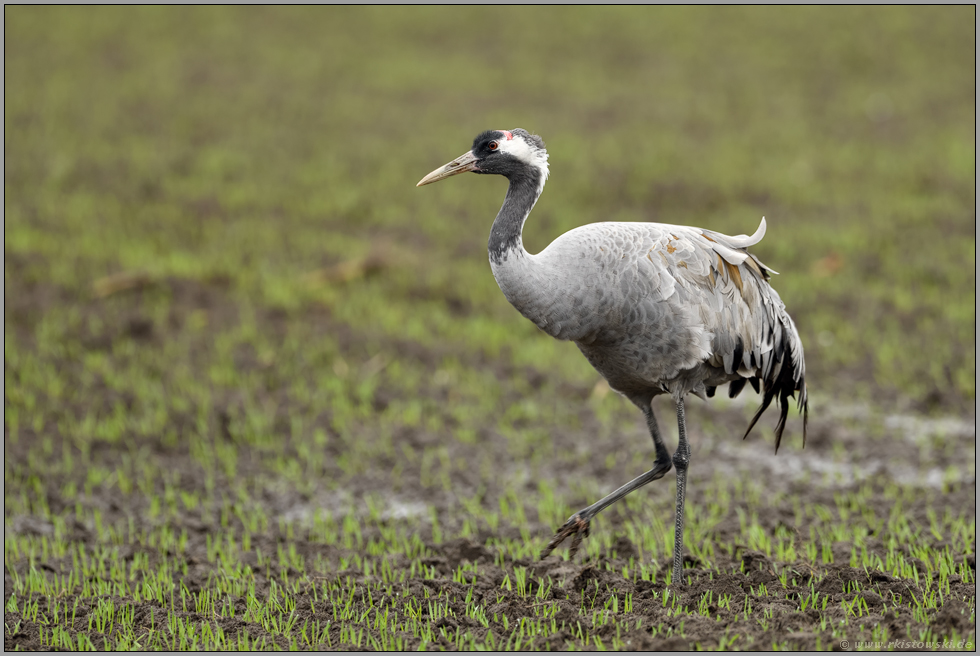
{"points": [[750, 261], [735, 275]]}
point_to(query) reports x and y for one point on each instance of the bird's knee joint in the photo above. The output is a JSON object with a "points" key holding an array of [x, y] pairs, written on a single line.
{"points": [[681, 461]]}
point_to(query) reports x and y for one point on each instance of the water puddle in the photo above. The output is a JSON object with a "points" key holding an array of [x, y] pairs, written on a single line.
{"points": [[863, 442]]}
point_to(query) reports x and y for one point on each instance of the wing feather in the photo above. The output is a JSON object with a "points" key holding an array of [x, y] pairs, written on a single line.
{"points": [[667, 299]]}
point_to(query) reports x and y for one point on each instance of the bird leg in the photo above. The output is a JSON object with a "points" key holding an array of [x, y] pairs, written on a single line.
{"points": [[577, 525], [682, 458]]}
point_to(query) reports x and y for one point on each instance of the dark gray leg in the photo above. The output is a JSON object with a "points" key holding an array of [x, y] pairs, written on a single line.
{"points": [[682, 458], [663, 458], [578, 524]]}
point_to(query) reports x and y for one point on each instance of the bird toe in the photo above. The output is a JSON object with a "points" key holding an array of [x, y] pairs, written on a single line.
{"points": [[576, 527]]}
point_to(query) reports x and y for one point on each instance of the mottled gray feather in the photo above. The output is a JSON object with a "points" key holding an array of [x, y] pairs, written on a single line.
{"points": [[659, 308]]}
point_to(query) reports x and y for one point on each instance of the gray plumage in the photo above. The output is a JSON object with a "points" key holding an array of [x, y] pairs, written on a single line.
{"points": [[659, 308], [655, 308]]}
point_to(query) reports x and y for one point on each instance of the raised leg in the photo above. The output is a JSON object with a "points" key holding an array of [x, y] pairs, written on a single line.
{"points": [[682, 459], [663, 458], [578, 524]]}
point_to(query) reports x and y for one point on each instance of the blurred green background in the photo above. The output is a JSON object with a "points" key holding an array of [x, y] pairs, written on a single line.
{"points": [[272, 153], [230, 317]]}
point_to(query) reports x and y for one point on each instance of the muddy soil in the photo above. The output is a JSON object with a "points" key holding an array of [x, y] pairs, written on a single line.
{"points": [[788, 479]]}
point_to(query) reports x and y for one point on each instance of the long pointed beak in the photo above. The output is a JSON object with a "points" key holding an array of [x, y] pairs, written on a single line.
{"points": [[462, 164]]}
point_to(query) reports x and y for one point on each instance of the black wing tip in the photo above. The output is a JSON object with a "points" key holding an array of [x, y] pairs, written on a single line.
{"points": [[766, 400], [786, 392], [804, 407], [782, 390], [735, 387], [781, 376]]}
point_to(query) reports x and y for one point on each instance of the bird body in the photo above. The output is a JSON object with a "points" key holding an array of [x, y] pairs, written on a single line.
{"points": [[655, 308]]}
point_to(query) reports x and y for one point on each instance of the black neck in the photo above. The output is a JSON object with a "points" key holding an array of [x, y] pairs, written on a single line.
{"points": [[505, 235]]}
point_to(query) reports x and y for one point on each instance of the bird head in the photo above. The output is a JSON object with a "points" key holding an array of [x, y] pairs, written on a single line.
{"points": [[509, 153]]}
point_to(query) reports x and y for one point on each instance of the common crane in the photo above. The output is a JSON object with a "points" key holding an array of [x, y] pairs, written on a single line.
{"points": [[655, 308]]}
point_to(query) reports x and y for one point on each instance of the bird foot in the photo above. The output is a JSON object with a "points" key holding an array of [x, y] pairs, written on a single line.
{"points": [[576, 527]]}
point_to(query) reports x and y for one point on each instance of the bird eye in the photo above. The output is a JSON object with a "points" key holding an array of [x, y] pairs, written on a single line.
{"points": [[492, 145]]}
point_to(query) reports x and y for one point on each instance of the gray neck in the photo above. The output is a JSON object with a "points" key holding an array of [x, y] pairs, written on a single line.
{"points": [[505, 235]]}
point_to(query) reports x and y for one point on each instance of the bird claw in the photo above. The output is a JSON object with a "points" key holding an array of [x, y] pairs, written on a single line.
{"points": [[576, 527]]}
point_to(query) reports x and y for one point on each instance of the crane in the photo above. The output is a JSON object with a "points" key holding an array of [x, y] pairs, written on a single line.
{"points": [[655, 308]]}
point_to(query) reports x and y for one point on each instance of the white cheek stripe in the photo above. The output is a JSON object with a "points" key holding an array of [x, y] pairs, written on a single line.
{"points": [[528, 154]]}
